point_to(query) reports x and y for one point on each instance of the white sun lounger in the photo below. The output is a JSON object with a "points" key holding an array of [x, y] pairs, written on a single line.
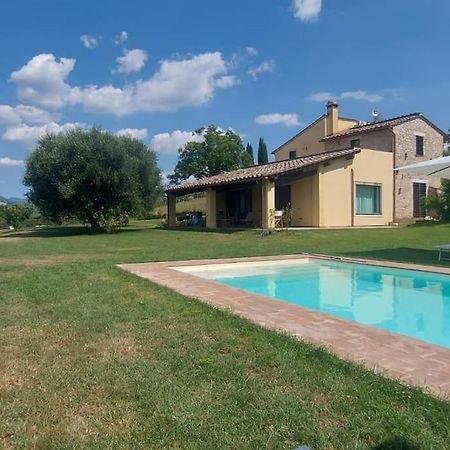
{"points": [[443, 248]]}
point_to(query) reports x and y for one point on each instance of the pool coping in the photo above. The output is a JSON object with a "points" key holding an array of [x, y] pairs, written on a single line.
{"points": [[411, 361]]}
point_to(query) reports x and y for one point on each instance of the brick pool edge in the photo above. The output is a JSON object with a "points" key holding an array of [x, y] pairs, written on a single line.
{"points": [[408, 360]]}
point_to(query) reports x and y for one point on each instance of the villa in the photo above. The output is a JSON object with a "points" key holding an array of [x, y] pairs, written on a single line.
{"points": [[336, 172]]}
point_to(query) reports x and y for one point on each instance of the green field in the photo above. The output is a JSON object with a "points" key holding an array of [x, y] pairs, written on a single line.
{"points": [[183, 206], [93, 357]]}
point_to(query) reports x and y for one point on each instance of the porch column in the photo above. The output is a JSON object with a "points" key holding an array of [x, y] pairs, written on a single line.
{"points": [[211, 210], [171, 210], [268, 203]]}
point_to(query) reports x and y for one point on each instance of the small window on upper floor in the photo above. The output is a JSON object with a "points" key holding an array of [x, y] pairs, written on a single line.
{"points": [[292, 154], [355, 143], [419, 145]]}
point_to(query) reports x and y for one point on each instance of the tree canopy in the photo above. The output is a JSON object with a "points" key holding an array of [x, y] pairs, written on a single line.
{"points": [[93, 176], [218, 151], [15, 215], [249, 150], [263, 157]]}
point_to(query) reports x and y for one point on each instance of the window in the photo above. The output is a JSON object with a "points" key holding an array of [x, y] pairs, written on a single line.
{"points": [[292, 154], [419, 194], [282, 196], [355, 143], [419, 145], [368, 199]]}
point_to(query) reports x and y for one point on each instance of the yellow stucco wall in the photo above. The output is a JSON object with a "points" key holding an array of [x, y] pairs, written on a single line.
{"points": [[306, 143], [345, 124], [335, 190], [305, 202], [325, 199], [256, 204], [268, 203], [211, 208], [372, 166], [309, 142]]}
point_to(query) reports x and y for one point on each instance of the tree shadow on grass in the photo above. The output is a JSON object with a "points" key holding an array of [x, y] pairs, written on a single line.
{"points": [[402, 254], [395, 443]]}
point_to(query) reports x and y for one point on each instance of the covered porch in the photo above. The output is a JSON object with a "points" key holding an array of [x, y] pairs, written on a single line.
{"points": [[255, 196]]}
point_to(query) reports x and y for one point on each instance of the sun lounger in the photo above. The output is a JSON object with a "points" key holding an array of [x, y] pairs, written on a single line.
{"points": [[443, 248]]}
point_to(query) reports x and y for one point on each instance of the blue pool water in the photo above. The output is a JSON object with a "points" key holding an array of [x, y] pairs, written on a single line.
{"points": [[407, 302]]}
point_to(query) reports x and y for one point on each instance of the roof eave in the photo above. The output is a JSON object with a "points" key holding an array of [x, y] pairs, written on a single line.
{"points": [[350, 152]]}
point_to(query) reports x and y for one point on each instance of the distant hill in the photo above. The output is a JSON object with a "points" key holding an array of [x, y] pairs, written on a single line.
{"points": [[13, 200]]}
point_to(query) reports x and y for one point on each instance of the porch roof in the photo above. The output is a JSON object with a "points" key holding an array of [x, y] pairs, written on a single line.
{"points": [[269, 170]]}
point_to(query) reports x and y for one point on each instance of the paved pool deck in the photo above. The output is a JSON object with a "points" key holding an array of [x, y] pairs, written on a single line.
{"points": [[409, 360]]}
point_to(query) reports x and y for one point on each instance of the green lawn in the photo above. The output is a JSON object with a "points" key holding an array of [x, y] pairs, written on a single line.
{"points": [[94, 357]]}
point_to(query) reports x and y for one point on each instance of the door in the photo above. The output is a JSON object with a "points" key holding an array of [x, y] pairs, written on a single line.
{"points": [[419, 194], [282, 196]]}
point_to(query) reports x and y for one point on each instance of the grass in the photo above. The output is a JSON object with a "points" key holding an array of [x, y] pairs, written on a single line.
{"points": [[94, 357]]}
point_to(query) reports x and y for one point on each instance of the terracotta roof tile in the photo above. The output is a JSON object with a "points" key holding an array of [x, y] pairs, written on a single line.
{"points": [[264, 170], [374, 126]]}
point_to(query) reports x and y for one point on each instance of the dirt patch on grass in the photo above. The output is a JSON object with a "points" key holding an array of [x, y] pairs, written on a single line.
{"points": [[17, 373], [116, 347], [6, 239], [49, 260], [26, 350], [13, 274]]}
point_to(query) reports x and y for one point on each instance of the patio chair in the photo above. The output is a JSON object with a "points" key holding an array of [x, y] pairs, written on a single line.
{"points": [[443, 248], [278, 219], [248, 220]]}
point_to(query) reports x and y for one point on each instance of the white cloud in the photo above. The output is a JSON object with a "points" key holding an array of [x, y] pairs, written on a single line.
{"points": [[169, 143], [132, 60], [243, 57], [41, 80], [89, 41], [6, 161], [176, 84], [227, 81], [136, 133], [362, 95], [13, 115], [321, 97], [121, 38], [251, 51], [28, 135], [288, 120], [354, 95], [265, 66], [307, 10]]}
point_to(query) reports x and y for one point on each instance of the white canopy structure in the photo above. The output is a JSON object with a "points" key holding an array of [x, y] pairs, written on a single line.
{"points": [[439, 167]]}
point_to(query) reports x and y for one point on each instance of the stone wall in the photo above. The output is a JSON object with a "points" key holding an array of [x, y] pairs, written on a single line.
{"points": [[405, 153], [373, 140]]}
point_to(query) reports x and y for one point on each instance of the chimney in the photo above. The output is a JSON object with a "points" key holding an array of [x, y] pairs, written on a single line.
{"points": [[332, 117]]}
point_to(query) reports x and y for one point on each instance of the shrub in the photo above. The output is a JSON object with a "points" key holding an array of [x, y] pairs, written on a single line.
{"points": [[15, 215]]}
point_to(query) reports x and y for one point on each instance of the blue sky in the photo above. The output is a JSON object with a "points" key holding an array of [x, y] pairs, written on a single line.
{"points": [[159, 69]]}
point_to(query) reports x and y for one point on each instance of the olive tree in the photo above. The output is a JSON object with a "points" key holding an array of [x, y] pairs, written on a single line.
{"points": [[93, 176]]}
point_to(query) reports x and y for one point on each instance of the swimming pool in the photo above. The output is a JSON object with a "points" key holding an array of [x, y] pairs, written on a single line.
{"points": [[407, 302]]}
